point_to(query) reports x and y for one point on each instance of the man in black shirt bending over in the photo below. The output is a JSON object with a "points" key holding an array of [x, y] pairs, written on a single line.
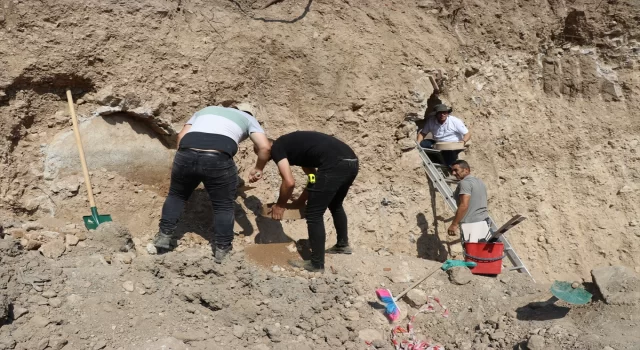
{"points": [[335, 167]]}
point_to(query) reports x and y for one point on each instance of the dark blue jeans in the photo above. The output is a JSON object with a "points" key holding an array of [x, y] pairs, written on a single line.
{"points": [[329, 191], [219, 174], [448, 156]]}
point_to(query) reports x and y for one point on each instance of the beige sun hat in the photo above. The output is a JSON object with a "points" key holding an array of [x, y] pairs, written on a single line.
{"points": [[248, 107]]}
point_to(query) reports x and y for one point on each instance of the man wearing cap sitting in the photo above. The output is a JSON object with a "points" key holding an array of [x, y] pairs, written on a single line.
{"points": [[206, 146], [444, 128]]}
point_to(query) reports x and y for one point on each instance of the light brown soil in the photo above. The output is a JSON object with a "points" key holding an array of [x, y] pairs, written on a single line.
{"points": [[549, 90]]}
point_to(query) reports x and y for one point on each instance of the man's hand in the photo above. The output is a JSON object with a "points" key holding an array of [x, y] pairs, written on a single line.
{"points": [[453, 229], [255, 175], [277, 212]]}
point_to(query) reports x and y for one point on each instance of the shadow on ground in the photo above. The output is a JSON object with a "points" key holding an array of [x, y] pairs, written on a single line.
{"points": [[429, 246], [542, 311], [198, 218]]}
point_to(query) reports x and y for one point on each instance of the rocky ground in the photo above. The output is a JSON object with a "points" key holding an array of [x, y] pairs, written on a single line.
{"points": [[549, 90], [99, 291]]}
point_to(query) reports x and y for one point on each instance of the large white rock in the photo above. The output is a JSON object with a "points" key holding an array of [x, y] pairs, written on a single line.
{"points": [[116, 143], [619, 285]]}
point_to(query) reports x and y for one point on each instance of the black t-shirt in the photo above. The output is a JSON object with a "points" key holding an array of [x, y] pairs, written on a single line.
{"points": [[310, 149]]}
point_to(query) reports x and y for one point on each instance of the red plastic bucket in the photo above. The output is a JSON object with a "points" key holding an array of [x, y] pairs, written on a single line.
{"points": [[488, 256]]}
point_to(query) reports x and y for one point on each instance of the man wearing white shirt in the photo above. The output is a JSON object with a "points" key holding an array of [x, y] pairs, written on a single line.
{"points": [[444, 128]]}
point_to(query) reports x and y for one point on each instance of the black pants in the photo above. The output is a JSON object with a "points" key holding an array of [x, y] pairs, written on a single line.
{"points": [[219, 174], [448, 156], [329, 191]]}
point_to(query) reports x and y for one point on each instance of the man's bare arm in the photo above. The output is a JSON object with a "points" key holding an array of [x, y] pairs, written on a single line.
{"points": [[288, 182], [466, 137], [262, 147], [462, 209]]}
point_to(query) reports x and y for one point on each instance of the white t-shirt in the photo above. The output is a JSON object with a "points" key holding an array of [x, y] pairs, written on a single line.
{"points": [[452, 130]]}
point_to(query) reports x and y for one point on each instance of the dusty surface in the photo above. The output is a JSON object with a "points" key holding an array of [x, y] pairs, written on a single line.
{"points": [[549, 90]]}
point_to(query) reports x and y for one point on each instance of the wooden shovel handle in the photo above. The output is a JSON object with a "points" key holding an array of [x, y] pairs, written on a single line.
{"points": [[76, 132], [415, 284], [436, 88]]}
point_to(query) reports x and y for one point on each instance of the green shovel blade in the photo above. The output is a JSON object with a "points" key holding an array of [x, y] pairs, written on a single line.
{"points": [[92, 221], [564, 291]]}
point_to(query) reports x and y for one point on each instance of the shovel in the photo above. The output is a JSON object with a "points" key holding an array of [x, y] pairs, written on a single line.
{"points": [[92, 221]]}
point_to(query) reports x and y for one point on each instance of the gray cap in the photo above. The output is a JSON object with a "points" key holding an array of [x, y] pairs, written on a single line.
{"points": [[442, 108]]}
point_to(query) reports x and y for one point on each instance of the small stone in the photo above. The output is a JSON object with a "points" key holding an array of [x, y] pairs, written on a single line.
{"points": [[32, 226], [57, 343], [141, 290], [42, 344], [15, 233], [40, 321], [275, 268], [292, 248], [633, 223], [466, 346], [38, 299], [53, 249], [541, 239], [273, 333], [427, 4], [498, 335], [81, 235], [575, 285], [128, 286], [52, 235], [74, 299], [471, 70], [623, 189], [369, 335], [19, 312], [238, 331], [352, 315], [30, 244], [460, 275], [49, 294], [151, 249], [124, 258], [536, 342], [71, 240], [55, 302], [100, 345], [190, 336], [319, 288], [400, 278], [493, 320], [416, 297]]}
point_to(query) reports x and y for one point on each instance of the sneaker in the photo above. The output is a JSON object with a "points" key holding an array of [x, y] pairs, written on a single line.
{"points": [[221, 253], [164, 242], [307, 265], [339, 250]]}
